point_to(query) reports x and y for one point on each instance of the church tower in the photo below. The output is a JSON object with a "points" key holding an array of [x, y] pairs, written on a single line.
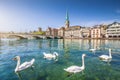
{"points": [[67, 21]]}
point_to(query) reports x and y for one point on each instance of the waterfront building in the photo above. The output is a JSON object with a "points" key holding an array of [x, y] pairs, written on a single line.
{"points": [[103, 30], [49, 31], [39, 29], [85, 32], [113, 30], [54, 32], [96, 32], [73, 32], [61, 32]]}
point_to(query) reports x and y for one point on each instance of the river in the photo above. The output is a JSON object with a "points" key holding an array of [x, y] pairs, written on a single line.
{"points": [[70, 52]]}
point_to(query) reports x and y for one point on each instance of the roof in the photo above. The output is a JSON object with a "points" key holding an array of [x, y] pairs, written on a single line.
{"points": [[74, 28], [114, 23]]}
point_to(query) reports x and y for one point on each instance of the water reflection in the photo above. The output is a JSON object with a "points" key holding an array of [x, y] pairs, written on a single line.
{"points": [[19, 75], [107, 61], [66, 53], [70, 51], [89, 44], [77, 44]]}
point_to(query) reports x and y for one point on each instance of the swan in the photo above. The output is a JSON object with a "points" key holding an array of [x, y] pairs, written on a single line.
{"points": [[76, 69], [50, 56], [24, 65], [106, 57], [93, 50]]}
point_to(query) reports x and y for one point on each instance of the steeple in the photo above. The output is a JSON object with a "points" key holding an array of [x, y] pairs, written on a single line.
{"points": [[67, 20], [67, 16]]}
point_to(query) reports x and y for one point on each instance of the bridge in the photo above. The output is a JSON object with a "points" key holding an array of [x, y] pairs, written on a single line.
{"points": [[22, 36], [25, 36]]}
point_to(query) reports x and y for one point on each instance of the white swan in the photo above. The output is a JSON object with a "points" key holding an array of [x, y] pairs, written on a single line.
{"points": [[106, 57], [76, 69], [50, 56], [23, 66], [93, 50]]}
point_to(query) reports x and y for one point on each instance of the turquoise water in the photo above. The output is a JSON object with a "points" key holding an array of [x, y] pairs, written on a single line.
{"points": [[69, 51]]}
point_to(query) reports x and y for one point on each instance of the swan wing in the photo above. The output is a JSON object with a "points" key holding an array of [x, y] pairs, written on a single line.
{"points": [[104, 56], [92, 49], [26, 64], [73, 69], [47, 54]]}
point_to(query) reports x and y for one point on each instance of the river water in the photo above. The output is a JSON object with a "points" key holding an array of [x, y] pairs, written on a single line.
{"points": [[69, 50]]}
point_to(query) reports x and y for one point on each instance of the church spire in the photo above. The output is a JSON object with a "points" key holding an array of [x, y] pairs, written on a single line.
{"points": [[67, 16], [67, 20]]}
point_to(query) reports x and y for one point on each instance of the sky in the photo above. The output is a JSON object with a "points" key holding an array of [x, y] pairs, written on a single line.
{"points": [[28, 15]]}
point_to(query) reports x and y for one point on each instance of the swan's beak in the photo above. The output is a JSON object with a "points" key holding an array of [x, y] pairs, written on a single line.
{"points": [[85, 55], [14, 59]]}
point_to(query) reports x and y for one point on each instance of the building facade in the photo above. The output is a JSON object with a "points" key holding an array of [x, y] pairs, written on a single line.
{"points": [[49, 31], [96, 32], [73, 32], [85, 32], [61, 32], [113, 30], [54, 32], [103, 30]]}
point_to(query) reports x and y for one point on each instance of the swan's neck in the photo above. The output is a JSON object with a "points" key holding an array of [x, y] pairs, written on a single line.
{"points": [[83, 64], [18, 64], [110, 54]]}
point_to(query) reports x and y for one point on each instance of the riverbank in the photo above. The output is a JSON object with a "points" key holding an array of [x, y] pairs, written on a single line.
{"points": [[96, 38]]}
